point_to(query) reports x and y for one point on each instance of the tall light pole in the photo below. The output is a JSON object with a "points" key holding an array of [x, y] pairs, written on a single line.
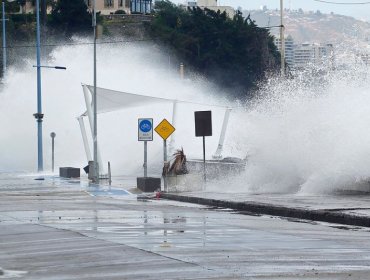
{"points": [[39, 115], [96, 167], [282, 39]]}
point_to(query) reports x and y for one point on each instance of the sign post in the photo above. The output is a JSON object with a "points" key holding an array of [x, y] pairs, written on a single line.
{"points": [[204, 159], [145, 134], [52, 135], [145, 159], [165, 129], [203, 128]]}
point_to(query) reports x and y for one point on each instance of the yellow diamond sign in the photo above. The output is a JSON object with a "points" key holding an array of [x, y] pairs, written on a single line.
{"points": [[164, 129]]}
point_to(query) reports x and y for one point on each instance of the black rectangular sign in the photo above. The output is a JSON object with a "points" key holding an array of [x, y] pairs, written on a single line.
{"points": [[203, 123]]}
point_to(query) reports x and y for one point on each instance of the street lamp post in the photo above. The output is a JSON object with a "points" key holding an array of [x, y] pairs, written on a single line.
{"points": [[39, 115]]}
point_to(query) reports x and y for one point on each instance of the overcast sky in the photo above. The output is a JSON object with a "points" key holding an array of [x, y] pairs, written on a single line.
{"points": [[357, 11]]}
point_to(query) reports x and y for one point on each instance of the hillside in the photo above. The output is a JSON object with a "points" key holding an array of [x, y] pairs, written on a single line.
{"points": [[315, 26]]}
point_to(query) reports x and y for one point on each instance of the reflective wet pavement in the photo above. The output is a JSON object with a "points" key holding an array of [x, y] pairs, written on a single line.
{"points": [[57, 229]]}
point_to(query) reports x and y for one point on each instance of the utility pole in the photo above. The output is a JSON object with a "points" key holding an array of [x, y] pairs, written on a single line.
{"points": [[282, 39], [4, 40], [96, 166], [39, 115]]}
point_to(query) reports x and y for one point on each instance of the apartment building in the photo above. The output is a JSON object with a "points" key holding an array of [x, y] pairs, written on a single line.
{"points": [[289, 49], [304, 54], [307, 53], [300, 55], [107, 7]]}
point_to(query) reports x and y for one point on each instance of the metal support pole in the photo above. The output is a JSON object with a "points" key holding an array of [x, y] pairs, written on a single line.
{"points": [[96, 171], [52, 135], [52, 156], [174, 122], [282, 39], [4, 40], [218, 153], [39, 116], [165, 164], [90, 114], [145, 159], [204, 159]]}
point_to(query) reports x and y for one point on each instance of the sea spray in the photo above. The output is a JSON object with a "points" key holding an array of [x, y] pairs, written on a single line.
{"points": [[134, 68], [308, 137], [307, 133]]}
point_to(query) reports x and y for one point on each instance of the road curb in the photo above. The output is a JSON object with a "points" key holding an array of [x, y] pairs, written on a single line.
{"points": [[330, 216]]}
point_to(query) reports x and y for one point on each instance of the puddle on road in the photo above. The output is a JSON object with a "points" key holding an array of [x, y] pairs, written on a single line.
{"points": [[9, 274]]}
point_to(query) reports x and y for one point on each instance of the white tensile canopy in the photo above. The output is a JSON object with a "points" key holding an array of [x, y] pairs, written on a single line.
{"points": [[111, 100]]}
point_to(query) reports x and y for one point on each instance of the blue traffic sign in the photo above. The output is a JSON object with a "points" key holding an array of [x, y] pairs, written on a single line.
{"points": [[145, 126], [145, 130]]}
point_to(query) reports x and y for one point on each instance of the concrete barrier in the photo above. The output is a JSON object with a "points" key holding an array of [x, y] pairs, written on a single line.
{"points": [[69, 172], [275, 210]]}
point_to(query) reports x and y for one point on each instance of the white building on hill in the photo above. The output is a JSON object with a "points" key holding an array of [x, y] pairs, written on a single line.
{"points": [[307, 53], [300, 55], [289, 49]]}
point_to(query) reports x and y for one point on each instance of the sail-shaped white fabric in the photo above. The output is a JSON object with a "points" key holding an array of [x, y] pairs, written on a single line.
{"points": [[112, 100]]}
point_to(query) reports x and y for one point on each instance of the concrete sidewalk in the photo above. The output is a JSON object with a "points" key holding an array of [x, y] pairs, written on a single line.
{"points": [[347, 209], [69, 229]]}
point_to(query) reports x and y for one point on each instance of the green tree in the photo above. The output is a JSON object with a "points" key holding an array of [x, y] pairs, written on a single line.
{"points": [[235, 53], [72, 14]]}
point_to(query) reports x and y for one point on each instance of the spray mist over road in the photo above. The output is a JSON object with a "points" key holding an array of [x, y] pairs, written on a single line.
{"points": [[308, 134], [132, 68]]}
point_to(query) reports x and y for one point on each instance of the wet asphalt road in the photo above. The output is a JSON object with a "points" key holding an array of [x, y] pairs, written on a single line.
{"points": [[61, 230]]}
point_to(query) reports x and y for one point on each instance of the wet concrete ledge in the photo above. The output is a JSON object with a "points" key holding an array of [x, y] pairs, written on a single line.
{"points": [[329, 216]]}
